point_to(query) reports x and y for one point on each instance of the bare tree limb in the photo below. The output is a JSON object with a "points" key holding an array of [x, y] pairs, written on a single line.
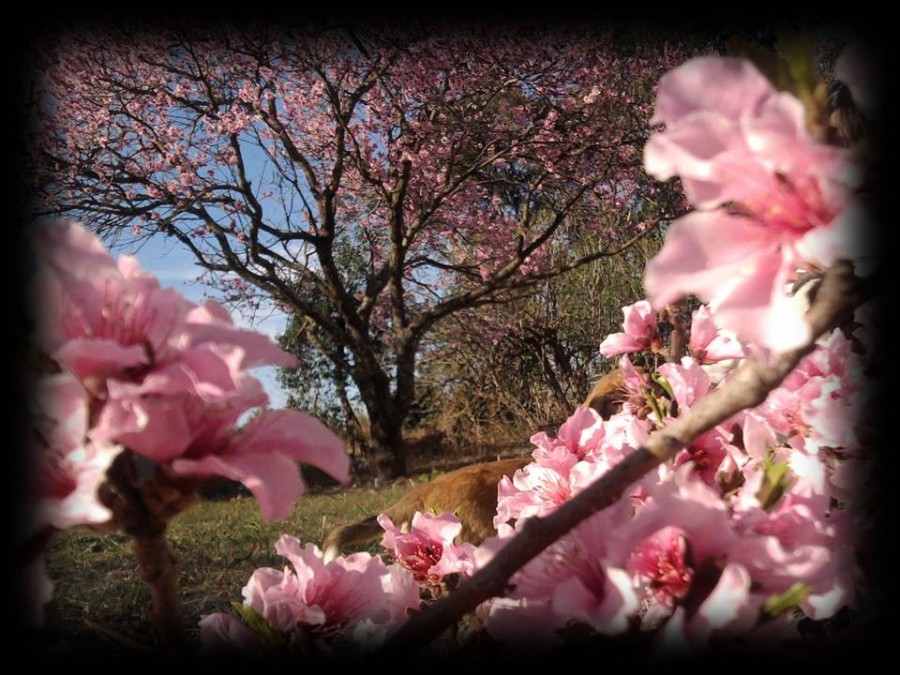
{"points": [[839, 294]]}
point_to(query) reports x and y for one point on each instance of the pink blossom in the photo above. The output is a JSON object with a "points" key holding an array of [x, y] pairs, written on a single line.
{"points": [[534, 490], [601, 598], [640, 332], [635, 384], [169, 377], [581, 432], [108, 319], [709, 344], [572, 579], [706, 455], [661, 571], [687, 503], [70, 467], [726, 608], [264, 456], [221, 632], [334, 599], [427, 550], [734, 139], [688, 380]]}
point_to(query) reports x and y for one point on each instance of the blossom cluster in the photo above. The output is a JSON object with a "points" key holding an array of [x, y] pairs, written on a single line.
{"points": [[759, 521], [135, 369], [354, 601], [756, 517]]}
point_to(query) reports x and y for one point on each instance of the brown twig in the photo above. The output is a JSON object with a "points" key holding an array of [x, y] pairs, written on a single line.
{"points": [[839, 294]]}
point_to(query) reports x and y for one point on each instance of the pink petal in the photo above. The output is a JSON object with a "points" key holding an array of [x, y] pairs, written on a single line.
{"points": [[299, 436], [72, 249], [703, 252], [441, 528], [777, 566], [273, 478], [87, 357], [729, 86], [608, 614], [157, 428], [620, 343], [707, 152], [220, 632], [725, 347], [758, 308], [724, 605], [640, 319], [257, 348], [307, 560], [703, 330], [688, 380]]}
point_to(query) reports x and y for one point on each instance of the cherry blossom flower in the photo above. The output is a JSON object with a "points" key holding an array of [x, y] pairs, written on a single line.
{"points": [[427, 550], [708, 343], [221, 633], [640, 333], [660, 568], [571, 579], [770, 199], [70, 467], [264, 456], [353, 600], [169, 377]]}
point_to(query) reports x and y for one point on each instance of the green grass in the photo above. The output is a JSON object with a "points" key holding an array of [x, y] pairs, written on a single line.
{"points": [[100, 602]]}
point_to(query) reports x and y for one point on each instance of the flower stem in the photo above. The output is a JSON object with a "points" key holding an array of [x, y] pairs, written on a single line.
{"points": [[159, 570]]}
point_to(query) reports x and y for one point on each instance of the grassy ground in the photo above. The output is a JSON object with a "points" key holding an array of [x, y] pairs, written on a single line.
{"points": [[100, 603]]}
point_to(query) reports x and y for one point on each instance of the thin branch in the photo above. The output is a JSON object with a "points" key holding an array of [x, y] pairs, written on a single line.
{"points": [[838, 296]]}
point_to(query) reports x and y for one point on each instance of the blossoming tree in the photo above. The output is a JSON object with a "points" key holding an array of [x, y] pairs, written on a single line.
{"points": [[444, 164]]}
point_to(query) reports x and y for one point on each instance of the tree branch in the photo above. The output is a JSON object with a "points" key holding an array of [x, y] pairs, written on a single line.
{"points": [[838, 296]]}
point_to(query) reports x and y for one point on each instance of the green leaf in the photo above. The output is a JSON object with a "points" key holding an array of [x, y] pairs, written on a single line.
{"points": [[776, 480], [664, 383], [780, 603], [258, 625]]}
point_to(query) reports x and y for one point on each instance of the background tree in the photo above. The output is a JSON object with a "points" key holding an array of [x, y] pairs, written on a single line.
{"points": [[370, 181], [496, 374]]}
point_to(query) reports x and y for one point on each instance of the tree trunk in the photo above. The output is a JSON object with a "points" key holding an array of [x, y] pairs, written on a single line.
{"points": [[388, 449], [387, 410]]}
